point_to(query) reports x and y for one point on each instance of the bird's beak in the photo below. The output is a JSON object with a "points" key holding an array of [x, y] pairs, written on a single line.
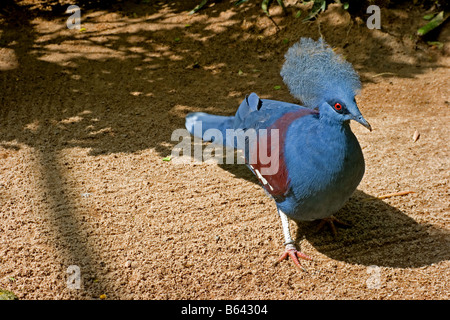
{"points": [[363, 121]]}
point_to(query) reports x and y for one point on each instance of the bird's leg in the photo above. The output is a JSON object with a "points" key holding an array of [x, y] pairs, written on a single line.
{"points": [[291, 250], [332, 222]]}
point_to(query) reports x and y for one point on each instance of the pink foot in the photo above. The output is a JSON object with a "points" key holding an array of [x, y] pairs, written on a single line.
{"points": [[294, 254]]}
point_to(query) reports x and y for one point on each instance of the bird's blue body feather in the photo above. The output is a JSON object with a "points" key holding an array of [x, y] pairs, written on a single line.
{"points": [[320, 162], [325, 165]]}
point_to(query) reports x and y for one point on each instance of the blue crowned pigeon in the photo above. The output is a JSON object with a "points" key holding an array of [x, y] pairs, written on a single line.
{"points": [[306, 157]]}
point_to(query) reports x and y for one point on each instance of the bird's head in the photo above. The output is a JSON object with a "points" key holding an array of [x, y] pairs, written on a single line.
{"points": [[343, 110], [322, 79]]}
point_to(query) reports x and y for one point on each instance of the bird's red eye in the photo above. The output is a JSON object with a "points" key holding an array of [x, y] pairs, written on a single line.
{"points": [[338, 106]]}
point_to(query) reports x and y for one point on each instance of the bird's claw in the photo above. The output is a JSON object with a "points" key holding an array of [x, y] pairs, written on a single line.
{"points": [[332, 222], [294, 254]]}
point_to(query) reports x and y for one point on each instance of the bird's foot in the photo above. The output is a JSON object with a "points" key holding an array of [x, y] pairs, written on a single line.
{"points": [[292, 252], [332, 222]]}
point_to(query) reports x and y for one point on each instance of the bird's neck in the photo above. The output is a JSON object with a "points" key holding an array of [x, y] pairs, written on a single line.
{"points": [[328, 120]]}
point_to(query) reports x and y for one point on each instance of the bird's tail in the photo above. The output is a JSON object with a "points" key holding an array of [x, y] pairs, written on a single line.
{"points": [[209, 127]]}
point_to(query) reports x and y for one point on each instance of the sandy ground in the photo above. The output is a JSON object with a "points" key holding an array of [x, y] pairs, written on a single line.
{"points": [[87, 117]]}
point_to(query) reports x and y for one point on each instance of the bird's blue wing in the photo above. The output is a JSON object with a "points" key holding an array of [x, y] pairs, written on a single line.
{"points": [[255, 113], [264, 151]]}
